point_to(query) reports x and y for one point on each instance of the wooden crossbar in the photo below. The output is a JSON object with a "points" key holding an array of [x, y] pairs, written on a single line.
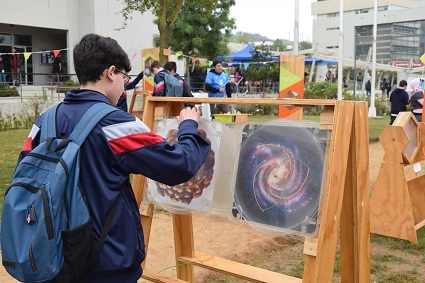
{"points": [[239, 270], [159, 278]]}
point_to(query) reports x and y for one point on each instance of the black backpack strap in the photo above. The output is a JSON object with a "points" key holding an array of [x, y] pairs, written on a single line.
{"points": [[108, 224]]}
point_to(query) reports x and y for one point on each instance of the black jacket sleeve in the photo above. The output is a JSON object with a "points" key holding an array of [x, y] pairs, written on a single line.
{"points": [[210, 88]]}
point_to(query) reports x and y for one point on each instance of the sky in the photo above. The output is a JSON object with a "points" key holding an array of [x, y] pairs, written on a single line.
{"points": [[273, 18]]}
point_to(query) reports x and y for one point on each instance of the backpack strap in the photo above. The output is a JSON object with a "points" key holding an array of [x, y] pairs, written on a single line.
{"points": [[48, 126], [89, 120]]}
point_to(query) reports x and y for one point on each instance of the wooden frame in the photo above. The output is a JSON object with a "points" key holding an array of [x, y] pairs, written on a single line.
{"points": [[344, 207], [397, 202]]}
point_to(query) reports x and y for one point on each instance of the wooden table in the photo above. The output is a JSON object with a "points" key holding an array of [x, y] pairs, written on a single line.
{"points": [[232, 117]]}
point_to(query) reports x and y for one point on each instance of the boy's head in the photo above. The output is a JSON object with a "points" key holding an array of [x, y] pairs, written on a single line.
{"points": [[94, 54], [156, 67], [171, 67], [102, 65], [218, 66]]}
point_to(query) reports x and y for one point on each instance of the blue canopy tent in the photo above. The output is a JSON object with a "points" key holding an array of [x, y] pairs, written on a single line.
{"points": [[244, 55], [309, 61]]}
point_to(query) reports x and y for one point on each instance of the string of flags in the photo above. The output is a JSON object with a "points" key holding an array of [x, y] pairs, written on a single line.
{"points": [[28, 54], [56, 52]]}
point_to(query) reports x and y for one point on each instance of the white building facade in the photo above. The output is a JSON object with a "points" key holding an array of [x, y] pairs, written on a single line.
{"points": [[45, 25], [400, 30]]}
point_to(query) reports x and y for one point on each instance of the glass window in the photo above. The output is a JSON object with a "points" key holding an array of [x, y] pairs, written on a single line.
{"points": [[24, 40], [5, 39]]}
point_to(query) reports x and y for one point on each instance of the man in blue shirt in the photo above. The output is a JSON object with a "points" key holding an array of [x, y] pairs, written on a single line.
{"points": [[215, 84]]}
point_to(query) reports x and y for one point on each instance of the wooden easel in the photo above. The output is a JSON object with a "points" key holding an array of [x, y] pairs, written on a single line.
{"points": [[344, 207], [139, 112], [397, 202]]}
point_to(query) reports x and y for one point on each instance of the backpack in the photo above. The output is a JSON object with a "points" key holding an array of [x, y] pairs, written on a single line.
{"points": [[172, 86], [382, 85], [46, 228]]}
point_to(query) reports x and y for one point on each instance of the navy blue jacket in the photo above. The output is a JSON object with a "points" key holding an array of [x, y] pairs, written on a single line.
{"points": [[159, 83], [119, 145], [122, 101], [399, 99]]}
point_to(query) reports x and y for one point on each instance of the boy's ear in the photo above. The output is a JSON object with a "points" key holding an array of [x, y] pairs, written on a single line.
{"points": [[109, 73]]}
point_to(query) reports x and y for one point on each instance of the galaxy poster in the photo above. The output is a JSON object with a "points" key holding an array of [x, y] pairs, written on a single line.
{"points": [[279, 177]]}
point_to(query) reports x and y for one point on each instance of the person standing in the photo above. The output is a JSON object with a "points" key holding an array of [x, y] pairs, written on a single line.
{"points": [[2, 74], [368, 87], [122, 101], [215, 84], [384, 87], [15, 63], [120, 144], [416, 98], [159, 80], [171, 67], [399, 98]]}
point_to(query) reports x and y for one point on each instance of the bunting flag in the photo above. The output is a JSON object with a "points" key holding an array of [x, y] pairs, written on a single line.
{"points": [[178, 54], [56, 53], [195, 60], [230, 64], [27, 55], [246, 65], [422, 58], [210, 63], [134, 56]]}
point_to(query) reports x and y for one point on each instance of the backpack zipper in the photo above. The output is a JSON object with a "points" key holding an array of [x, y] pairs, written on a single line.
{"points": [[32, 260], [28, 187], [47, 216]]}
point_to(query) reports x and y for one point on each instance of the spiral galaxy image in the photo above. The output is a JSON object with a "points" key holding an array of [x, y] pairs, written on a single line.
{"points": [[279, 177]]}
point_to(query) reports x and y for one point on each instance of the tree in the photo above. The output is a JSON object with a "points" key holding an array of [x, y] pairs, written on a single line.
{"points": [[305, 45], [259, 72], [166, 12], [203, 32], [279, 45]]}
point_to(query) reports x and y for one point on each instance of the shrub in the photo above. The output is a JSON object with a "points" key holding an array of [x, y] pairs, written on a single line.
{"points": [[7, 91], [32, 109], [9, 122], [71, 84]]}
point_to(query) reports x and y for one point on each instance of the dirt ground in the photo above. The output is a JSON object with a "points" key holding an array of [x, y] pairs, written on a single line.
{"points": [[216, 235]]}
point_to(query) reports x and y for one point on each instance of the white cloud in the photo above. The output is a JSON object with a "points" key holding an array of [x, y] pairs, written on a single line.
{"points": [[273, 18]]}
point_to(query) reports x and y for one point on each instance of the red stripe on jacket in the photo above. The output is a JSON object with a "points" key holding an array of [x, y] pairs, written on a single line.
{"points": [[132, 142]]}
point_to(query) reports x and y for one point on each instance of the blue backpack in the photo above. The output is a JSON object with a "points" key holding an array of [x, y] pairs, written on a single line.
{"points": [[172, 86], [46, 228]]}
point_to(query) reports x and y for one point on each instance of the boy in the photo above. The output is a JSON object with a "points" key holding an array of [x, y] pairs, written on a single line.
{"points": [[159, 80], [119, 145]]}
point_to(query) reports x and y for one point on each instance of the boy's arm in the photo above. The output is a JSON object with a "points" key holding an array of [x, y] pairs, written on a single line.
{"points": [[141, 151], [132, 84]]}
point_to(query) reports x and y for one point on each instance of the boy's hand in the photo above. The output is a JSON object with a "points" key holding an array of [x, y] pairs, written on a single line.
{"points": [[188, 113]]}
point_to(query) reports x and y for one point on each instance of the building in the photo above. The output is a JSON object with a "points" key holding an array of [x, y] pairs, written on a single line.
{"points": [[34, 26], [400, 29]]}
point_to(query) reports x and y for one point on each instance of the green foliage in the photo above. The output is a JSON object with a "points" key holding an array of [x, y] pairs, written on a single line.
{"points": [[321, 90], [7, 91], [279, 45], [166, 13], [71, 84], [303, 45], [32, 109], [11, 145], [203, 32]]}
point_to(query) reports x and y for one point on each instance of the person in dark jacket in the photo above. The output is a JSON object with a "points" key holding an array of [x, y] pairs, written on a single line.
{"points": [[119, 145], [159, 80], [399, 98], [171, 67], [122, 101], [2, 74]]}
